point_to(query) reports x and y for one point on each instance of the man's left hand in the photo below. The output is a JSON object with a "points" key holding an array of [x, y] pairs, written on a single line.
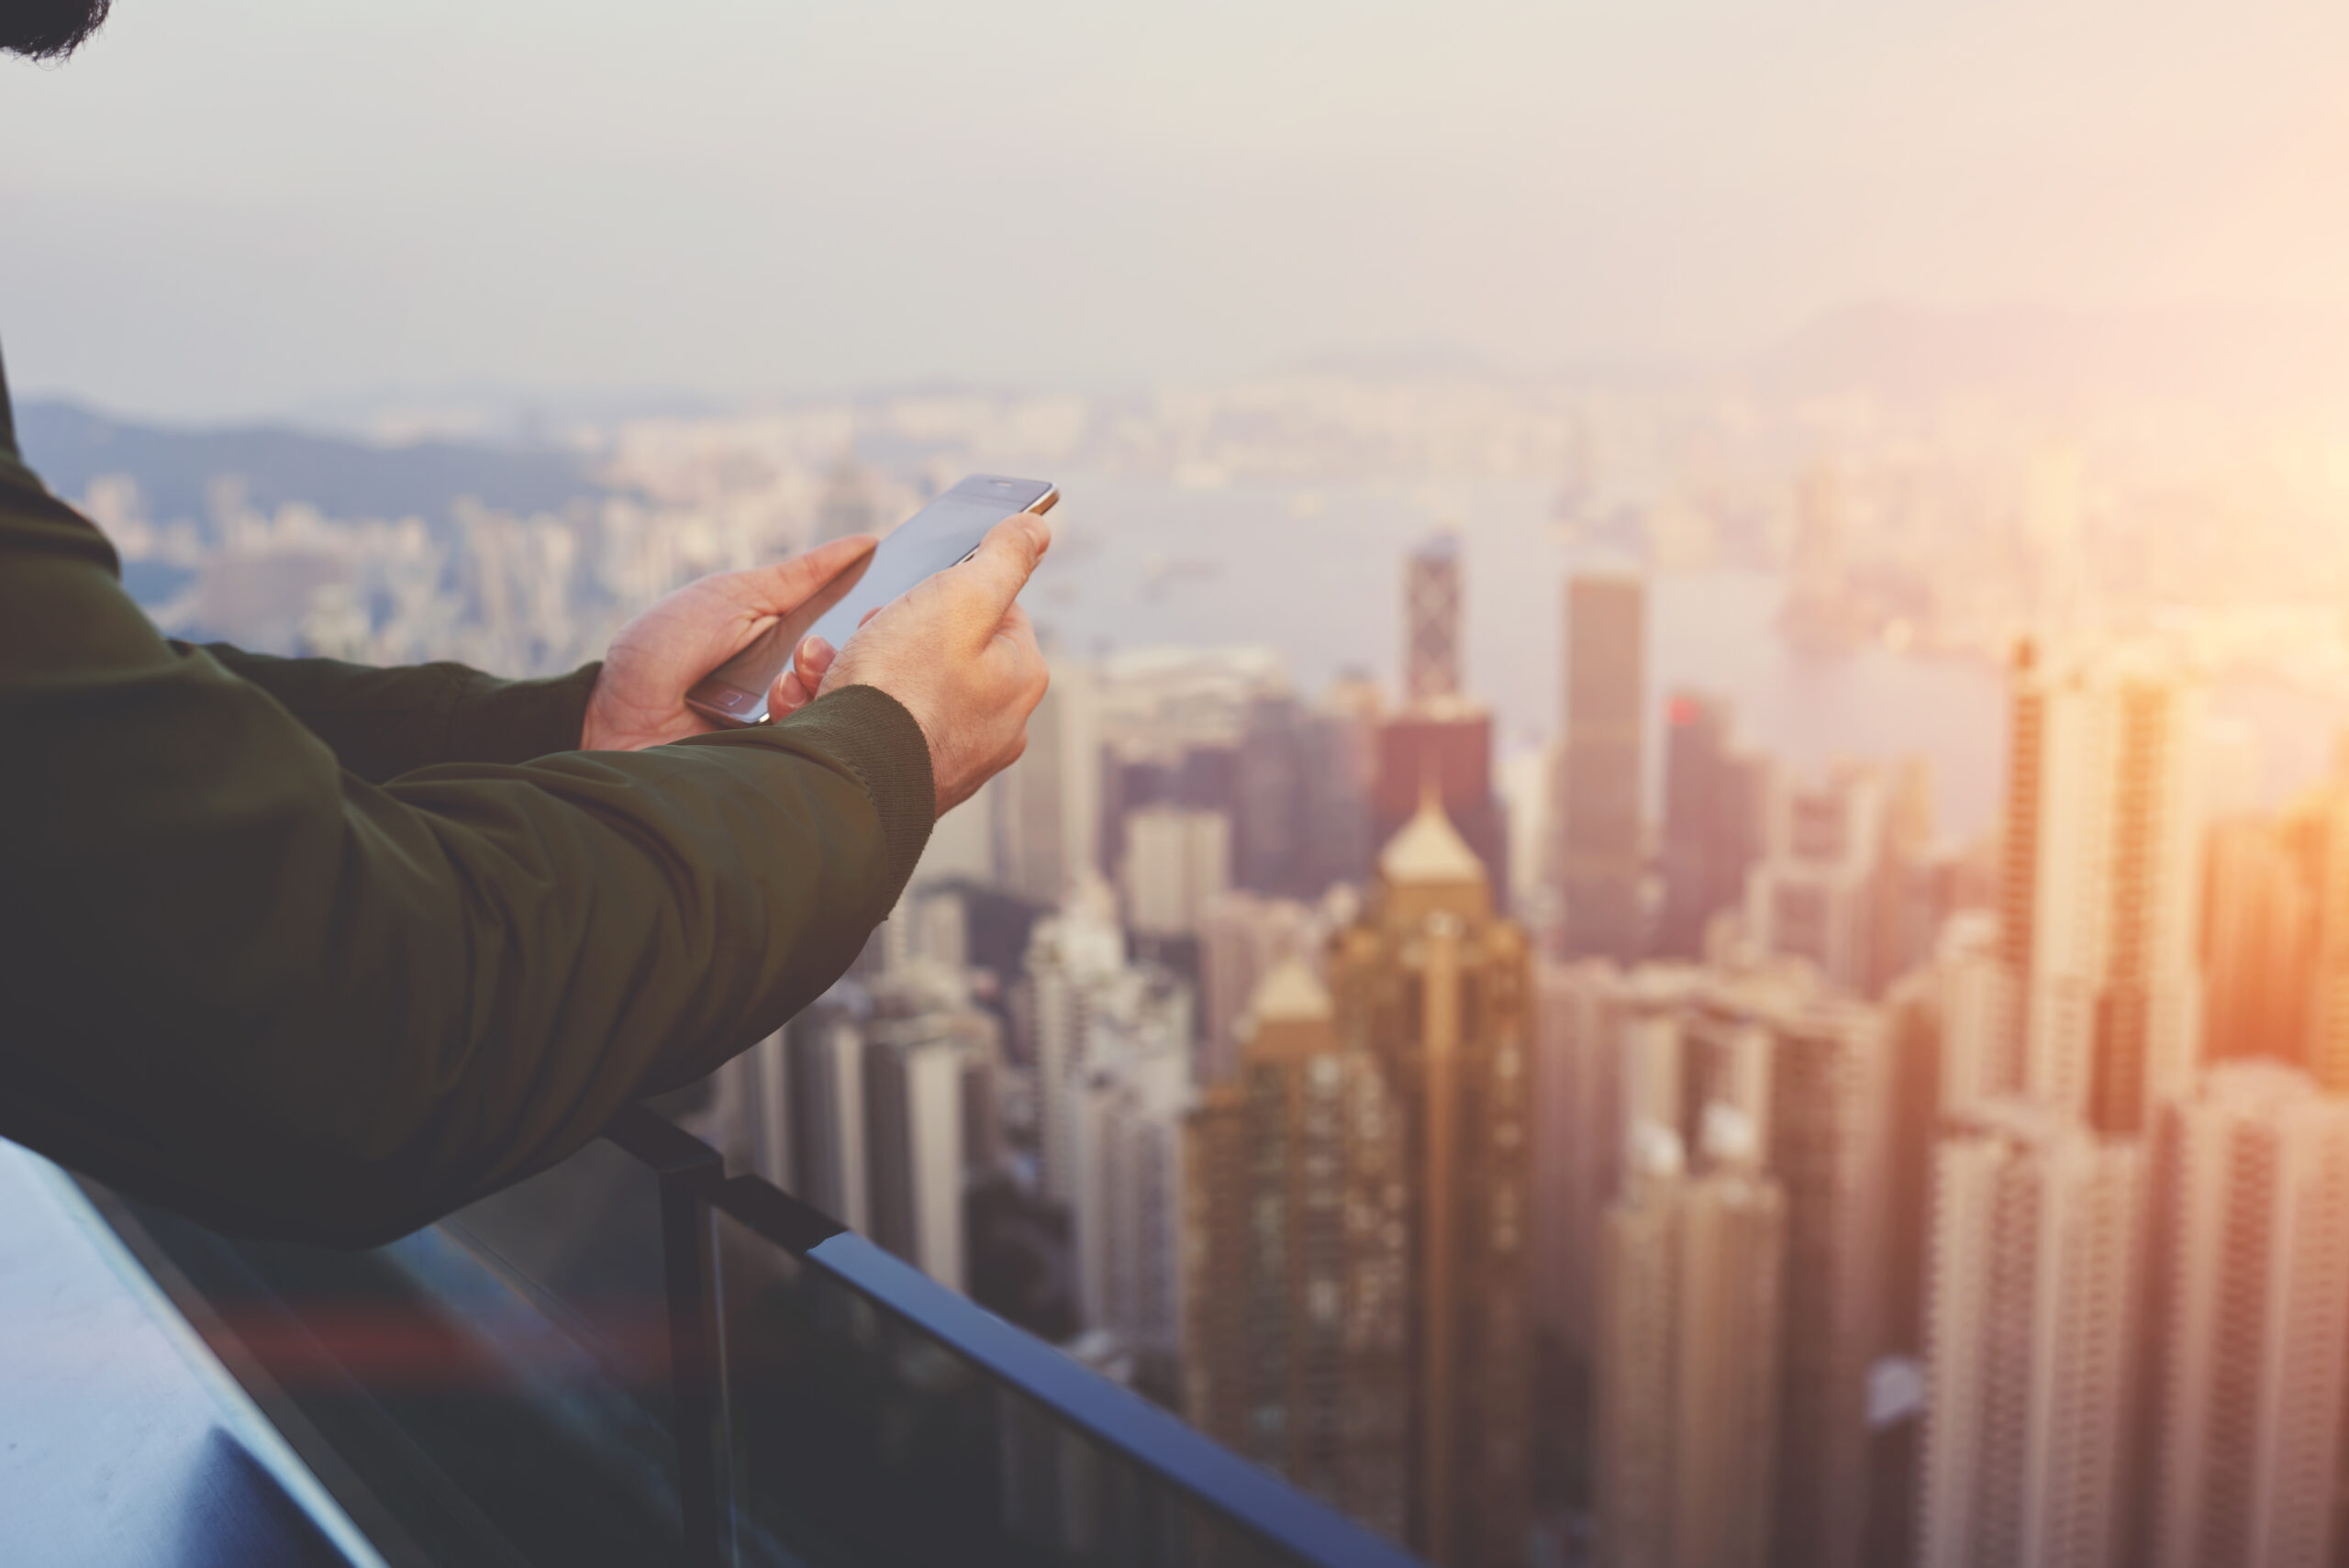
{"points": [[639, 695]]}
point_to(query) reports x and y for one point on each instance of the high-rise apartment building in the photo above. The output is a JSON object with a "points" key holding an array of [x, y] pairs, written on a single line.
{"points": [[1435, 985], [1127, 1224], [1807, 1071], [1579, 1015], [1713, 797], [2324, 837], [823, 1096], [1431, 649], [2102, 883], [1826, 1138], [1242, 939], [1295, 1285], [2259, 935], [1690, 1330], [1074, 960], [1815, 892], [2251, 1265], [1177, 863], [1598, 812], [914, 1079], [1047, 807], [2032, 1341]]}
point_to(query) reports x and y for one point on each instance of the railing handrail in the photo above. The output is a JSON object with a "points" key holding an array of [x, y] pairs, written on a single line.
{"points": [[1248, 1497]]}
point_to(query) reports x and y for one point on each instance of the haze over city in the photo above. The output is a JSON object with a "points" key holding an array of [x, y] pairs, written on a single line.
{"points": [[228, 207]]}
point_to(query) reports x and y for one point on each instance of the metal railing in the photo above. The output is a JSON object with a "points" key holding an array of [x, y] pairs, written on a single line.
{"points": [[1119, 1479]]}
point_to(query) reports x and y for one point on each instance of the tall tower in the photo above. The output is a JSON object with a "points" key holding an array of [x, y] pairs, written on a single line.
{"points": [[1441, 739], [1599, 809], [1047, 827], [2251, 1238], [1828, 1099], [2031, 1341], [1816, 891], [1075, 959], [1712, 821], [1436, 986], [1689, 1330], [1431, 621], [2259, 935], [1295, 1315], [2102, 885], [1243, 939], [2326, 1023], [913, 1105]]}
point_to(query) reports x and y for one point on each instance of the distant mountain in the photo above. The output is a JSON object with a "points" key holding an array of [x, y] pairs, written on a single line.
{"points": [[2034, 355], [69, 446]]}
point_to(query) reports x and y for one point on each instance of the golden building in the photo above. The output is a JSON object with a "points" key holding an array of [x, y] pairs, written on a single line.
{"points": [[1435, 987], [1294, 1278]]}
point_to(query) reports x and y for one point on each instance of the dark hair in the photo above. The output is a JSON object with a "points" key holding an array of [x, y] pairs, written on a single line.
{"points": [[49, 29]]}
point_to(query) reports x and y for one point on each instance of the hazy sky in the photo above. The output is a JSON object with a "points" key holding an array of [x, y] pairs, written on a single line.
{"points": [[227, 207]]}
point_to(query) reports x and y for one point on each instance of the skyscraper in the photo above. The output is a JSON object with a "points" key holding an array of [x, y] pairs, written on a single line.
{"points": [[1048, 805], [1826, 1139], [2032, 1340], [1447, 747], [1598, 815], [2102, 881], [1177, 864], [1127, 1219], [1435, 985], [824, 1097], [1295, 1308], [2259, 935], [2251, 1253], [1712, 821], [1815, 892], [2327, 1021], [914, 1121], [1687, 1366], [1242, 939], [1073, 960], [1431, 621], [1580, 1012], [1341, 772]]}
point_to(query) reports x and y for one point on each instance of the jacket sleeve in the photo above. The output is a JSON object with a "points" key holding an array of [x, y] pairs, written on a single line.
{"points": [[381, 723], [245, 982]]}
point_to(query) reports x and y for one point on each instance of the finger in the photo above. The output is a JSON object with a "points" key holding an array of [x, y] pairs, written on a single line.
{"points": [[1002, 564], [814, 657], [779, 589], [790, 692]]}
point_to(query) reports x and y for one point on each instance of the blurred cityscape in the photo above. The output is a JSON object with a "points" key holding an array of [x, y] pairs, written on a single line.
{"points": [[1597, 976]]}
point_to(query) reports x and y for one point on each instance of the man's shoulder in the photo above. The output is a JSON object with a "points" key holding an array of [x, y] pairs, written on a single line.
{"points": [[33, 519]]}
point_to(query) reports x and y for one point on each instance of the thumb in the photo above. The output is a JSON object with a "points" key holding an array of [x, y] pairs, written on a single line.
{"points": [[782, 588], [1000, 567]]}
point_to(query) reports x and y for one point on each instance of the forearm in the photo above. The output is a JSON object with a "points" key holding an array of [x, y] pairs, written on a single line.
{"points": [[253, 987], [381, 723]]}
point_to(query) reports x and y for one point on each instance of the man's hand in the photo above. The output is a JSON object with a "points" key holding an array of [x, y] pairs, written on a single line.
{"points": [[958, 653], [639, 696]]}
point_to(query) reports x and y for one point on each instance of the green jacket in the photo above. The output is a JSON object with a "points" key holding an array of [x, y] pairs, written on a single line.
{"points": [[312, 949]]}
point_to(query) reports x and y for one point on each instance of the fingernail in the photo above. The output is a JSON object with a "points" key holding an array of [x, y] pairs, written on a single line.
{"points": [[813, 648]]}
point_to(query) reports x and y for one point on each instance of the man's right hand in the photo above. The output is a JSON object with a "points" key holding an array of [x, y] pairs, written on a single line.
{"points": [[957, 651]]}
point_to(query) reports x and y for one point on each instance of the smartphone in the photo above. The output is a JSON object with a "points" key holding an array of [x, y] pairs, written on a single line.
{"points": [[941, 535]]}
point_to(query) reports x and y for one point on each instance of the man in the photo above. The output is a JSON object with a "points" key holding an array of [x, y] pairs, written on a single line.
{"points": [[312, 949]]}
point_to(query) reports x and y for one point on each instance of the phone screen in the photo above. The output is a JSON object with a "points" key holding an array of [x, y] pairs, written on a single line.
{"points": [[939, 536]]}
